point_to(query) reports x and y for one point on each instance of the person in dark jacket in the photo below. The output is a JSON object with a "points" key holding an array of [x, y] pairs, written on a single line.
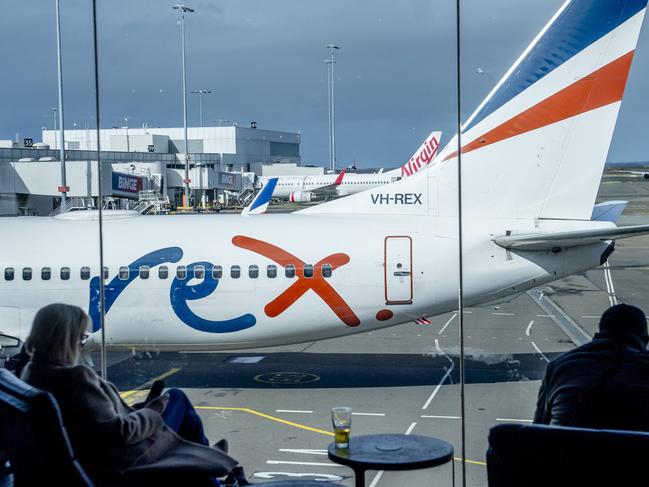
{"points": [[603, 384], [108, 436]]}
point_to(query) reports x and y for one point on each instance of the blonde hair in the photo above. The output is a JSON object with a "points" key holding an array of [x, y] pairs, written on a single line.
{"points": [[56, 334]]}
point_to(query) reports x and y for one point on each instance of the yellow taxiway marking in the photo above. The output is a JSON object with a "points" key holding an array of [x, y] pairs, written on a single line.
{"points": [[298, 425], [149, 383], [268, 416]]}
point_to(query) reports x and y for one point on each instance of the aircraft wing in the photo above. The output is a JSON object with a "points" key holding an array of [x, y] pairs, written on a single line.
{"points": [[330, 190], [558, 240]]}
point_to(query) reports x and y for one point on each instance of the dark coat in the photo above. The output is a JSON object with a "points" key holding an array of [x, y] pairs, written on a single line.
{"points": [[108, 436], [602, 384]]}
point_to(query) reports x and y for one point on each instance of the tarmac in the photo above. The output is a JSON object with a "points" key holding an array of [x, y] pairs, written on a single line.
{"points": [[273, 404]]}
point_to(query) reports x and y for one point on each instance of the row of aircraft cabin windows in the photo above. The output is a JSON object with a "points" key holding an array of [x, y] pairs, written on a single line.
{"points": [[182, 273]]}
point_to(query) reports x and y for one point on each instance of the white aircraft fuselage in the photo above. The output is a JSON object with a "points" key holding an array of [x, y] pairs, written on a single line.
{"points": [[362, 293]]}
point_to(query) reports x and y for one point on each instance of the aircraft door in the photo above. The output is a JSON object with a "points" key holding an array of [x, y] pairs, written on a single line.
{"points": [[398, 270]]}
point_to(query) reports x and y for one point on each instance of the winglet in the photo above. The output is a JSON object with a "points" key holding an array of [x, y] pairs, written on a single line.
{"points": [[340, 177], [260, 202], [609, 211]]}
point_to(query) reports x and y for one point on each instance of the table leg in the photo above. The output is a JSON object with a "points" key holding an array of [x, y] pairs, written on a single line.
{"points": [[359, 478]]}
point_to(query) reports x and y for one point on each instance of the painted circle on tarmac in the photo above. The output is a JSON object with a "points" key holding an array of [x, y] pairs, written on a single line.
{"points": [[287, 378], [384, 315]]}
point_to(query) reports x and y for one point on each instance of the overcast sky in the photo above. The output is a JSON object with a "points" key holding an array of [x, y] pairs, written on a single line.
{"points": [[263, 61]]}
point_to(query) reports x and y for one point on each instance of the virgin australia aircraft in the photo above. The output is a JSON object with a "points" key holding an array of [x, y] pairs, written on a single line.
{"points": [[532, 157], [304, 189]]}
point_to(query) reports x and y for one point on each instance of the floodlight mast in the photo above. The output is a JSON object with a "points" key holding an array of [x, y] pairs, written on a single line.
{"points": [[182, 9], [200, 102], [63, 189], [332, 106]]}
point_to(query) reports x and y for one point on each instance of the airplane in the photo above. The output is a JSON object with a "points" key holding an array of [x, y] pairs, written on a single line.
{"points": [[532, 155], [305, 189], [644, 174]]}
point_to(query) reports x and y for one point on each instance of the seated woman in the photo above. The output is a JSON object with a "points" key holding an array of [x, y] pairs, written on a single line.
{"points": [[109, 437]]}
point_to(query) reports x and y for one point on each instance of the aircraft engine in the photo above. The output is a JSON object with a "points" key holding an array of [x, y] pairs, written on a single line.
{"points": [[301, 197]]}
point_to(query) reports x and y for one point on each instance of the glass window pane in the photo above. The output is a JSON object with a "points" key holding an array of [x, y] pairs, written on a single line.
{"points": [[181, 272], [106, 272], [124, 273], [308, 270], [27, 273], [46, 273], [163, 272], [9, 273], [217, 272], [199, 272], [65, 273], [253, 272], [235, 272], [326, 270], [84, 273], [289, 271], [144, 272], [271, 271]]}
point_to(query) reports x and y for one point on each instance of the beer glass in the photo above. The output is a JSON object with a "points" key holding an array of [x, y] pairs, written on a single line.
{"points": [[341, 418]]}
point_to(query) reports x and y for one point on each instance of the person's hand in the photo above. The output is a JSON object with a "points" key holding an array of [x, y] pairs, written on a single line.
{"points": [[159, 404]]}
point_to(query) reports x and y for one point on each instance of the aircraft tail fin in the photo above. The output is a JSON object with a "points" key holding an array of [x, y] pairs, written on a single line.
{"points": [[260, 202], [536, 146]]}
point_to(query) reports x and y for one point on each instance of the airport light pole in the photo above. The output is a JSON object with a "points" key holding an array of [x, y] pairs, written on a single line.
{"points": [[63, 189], [182, 9], [54, 117], [128, 146], [200, 102], [332, 105]]}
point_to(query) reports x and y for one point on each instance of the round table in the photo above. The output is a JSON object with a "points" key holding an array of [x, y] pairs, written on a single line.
{"points": [[391, 452]]}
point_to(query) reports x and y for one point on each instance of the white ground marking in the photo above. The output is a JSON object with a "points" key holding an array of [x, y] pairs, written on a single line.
{"points": [[379, 474], [591, 317], [609, 284], [308, 464], [318, 476], [529, 328], [439, 417], [368, 414], [502, 314], [545, 316], [511, 420], [439, 385], [306, 451], [292, 411], [447, 323], [410, 428], [541, 353]]}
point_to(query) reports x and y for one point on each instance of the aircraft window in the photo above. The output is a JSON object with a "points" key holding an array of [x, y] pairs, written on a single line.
{"points": [[217, 272], [326, 270], [253, 272], [163, 272], [144, 272], [123, 273], [27, 273], [65, 273], [46, 273], [289, 270], [271, 271], [308, 270], [85, 273], [9, 273], [199, 272], [235, 272], [106, 272], [181, 272]]}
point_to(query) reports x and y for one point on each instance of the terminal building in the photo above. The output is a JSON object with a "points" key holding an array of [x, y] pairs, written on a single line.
{"points": [[224, 162]]}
